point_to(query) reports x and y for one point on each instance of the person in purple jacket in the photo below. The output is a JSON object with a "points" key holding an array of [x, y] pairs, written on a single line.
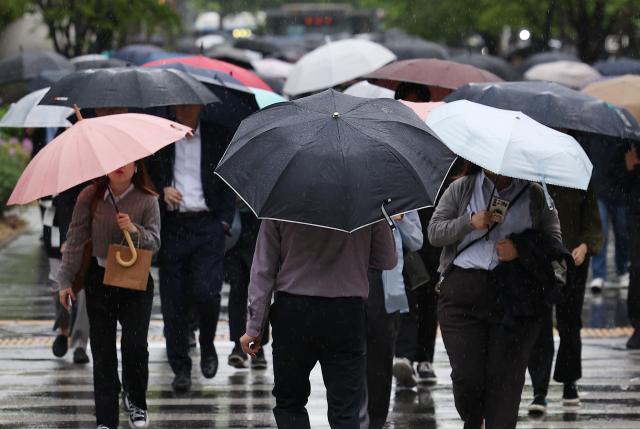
{"points": [[320, 281]]}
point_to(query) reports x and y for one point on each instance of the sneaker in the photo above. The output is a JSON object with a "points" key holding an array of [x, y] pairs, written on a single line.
{"points": [[126, 403], [138, 418], [259, 362], [426, 374], [570, 395], [103, 427], [60, 346], [404, 373], [624, 280], [538, 405], [80, 356], [237, 359], [634, 341], [596, 285]]}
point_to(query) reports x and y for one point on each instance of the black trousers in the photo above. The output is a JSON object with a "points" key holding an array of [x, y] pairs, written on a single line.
{"points": [[382, 330], [191, 273], [633, 299], [106, 306], [307, 330], [237, 273], [569, 322], [488, 362]]}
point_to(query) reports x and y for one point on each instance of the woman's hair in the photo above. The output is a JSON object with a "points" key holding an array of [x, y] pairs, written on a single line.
{"points": [[140, 180], [467, 168], [407, 88]]}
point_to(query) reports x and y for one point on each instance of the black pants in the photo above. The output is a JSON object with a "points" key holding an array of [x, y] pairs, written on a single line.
{"points": [[237, 273], [633, 300], [488, 362], [307, 330], [569, 322], [191, 272], [106, 306], [382, 330]]}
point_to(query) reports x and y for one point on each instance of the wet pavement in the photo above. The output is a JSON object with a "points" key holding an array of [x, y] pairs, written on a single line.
{"points": [[40, 391]]}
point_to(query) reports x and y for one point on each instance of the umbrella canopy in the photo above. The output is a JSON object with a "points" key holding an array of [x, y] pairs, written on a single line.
{"points": [[93, 148], [415, 47], [509, 143], [87, 57], [496, 65], [272, 67], [618, 66], [430, 72], [622, 91], [267, 98], [26, 113], [368, 90], [569, 73], [332, 160], [553, 105], [240, 57], [103, 63], [245, 76], [128, 87], [136, 54], [422, 109], [28, 65], [46, 78], [335, 63], [546, 57]]}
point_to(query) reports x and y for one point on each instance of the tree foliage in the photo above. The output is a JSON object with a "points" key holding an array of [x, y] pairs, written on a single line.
{"points": [[10, 10]]}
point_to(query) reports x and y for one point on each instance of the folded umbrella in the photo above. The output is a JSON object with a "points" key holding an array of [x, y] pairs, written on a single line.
{"points": [[128, 87], [553, 105], [26, 113], [336, 63], [569, 73], [622, 91], [509, 143], [92, 148], [332, 160]]}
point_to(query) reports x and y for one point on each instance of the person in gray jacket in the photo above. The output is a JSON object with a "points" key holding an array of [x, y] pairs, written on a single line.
{"points": [[488, 361]]}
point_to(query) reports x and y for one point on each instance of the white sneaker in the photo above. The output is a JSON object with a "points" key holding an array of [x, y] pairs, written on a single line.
{"points": [[138, 418], [624, 280], [404, 374], [103, 427], [597, 282]]}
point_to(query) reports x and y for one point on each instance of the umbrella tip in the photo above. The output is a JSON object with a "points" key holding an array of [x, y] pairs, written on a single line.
{"points": [[336, 115]]}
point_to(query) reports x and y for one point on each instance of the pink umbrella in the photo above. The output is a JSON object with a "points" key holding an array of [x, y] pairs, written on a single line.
{"points": [[422, 109], [92, 148]]}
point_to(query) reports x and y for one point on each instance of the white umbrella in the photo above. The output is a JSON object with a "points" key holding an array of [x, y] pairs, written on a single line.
{"points": [[368, 90], [569, 73], [88, 57], [26, 113], [336, 63], [272, 67], [511, 144]]}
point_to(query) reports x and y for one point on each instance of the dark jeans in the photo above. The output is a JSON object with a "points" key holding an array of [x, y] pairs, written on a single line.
{"points": [[307, 330], [418, 328], [382, 329], [237, 274], [616, 214], [633, 299], [488, 362], [191, 273], [569, 322], [106, 306]]}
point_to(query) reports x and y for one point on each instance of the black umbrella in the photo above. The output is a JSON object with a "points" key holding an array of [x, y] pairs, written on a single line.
{"points": [[128, 86], [104, 63], [332, 160], [553, 105], [46, 78], [618, 66], [490, 63], [136, 54], [409, 48], [27, 65], [546, 57]]}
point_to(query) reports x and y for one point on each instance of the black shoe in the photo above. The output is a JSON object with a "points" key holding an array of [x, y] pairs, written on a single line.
{"points": [[237, 358], [60, 345], [538, 406], [426, 374], [634, 341], [259, 362], [181, 382], [570, 395], [209, 363], [80, 356]]}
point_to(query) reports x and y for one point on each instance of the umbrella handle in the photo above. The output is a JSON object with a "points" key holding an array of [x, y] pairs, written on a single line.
{"points": [[386, 215], [134, 253]]}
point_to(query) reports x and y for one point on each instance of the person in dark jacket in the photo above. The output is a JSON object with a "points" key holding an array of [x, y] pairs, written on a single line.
{"points": [[632, 183], [582, 235], [197, 208]]}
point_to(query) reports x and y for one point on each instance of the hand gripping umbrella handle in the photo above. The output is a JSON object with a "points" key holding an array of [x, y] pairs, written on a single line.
{"points": [[134, 254]]}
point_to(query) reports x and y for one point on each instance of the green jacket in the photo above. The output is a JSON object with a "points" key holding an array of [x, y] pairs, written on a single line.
{"points": [[579, 217]]}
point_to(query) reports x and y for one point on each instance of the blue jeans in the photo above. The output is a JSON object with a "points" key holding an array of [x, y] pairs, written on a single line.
{"points": [[616, 214]]}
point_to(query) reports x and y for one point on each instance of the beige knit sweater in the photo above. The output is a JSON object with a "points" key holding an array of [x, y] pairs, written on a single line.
{"points": [[142, 208]]}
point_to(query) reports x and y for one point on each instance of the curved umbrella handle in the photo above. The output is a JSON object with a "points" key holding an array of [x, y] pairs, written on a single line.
{"points": [[134, 253]]}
